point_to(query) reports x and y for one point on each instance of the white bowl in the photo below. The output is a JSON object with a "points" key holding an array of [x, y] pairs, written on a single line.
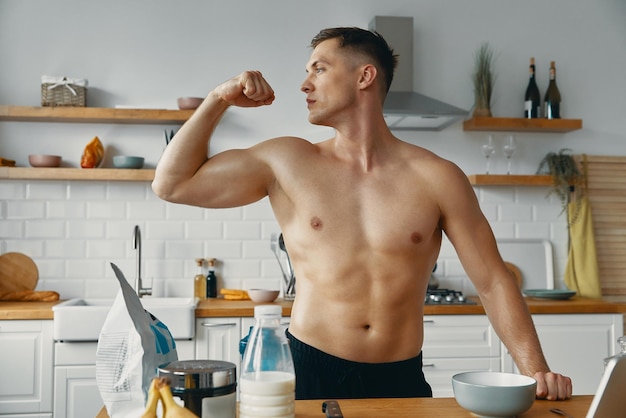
{"points": [[494, 394], [263, 295], [43, 160]]}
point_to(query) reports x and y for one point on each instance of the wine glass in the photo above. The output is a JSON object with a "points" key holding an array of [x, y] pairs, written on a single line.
{"points": [[509, 149], [488, 150]]}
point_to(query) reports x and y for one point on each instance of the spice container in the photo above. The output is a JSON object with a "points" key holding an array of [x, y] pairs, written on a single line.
{"points": [[207, 387]]}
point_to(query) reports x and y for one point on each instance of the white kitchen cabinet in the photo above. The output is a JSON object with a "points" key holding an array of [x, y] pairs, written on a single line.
{"points": [[218, 339], [75, 388], [26, 367], [76, 393], [576, 345], [455, 344]]}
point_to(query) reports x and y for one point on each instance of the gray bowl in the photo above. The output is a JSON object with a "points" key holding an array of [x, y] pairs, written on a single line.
{"points": [[494, 394], [126, 161]]}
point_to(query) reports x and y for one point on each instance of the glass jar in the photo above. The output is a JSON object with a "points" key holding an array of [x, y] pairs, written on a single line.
{"points": [[207, 387]]}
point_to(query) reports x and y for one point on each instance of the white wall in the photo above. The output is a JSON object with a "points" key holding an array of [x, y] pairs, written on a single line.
{"points": [[148, 53]]}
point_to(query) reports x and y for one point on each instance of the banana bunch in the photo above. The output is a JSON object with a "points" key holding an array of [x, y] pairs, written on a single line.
{"points": [[93, 154], [160, 391], [234, 294]]}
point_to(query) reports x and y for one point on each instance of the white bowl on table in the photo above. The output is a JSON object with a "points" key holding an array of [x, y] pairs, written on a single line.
{"points": [[494, 394]]}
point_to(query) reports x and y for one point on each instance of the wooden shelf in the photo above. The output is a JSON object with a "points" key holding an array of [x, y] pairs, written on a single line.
{"points": [[509, 180], [89, 174], [93, 115], [522, 125], [118, 174]]}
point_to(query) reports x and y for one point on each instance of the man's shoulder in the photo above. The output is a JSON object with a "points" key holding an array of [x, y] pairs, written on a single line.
{"points": [[426, 158], [285, 147], [434, 169], [287, 141]]}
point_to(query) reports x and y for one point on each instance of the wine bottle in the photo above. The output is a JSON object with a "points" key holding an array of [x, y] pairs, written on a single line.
{"points": [[211, 280], [552, 101], [532, 99]]}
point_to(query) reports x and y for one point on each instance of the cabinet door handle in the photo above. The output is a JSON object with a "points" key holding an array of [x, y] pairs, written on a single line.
{"points": [[429, 321], [428, 365], [209, 325]]}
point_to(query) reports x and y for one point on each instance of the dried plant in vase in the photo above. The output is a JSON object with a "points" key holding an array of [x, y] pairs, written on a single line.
{"points": [[567, 179], [483, 79]]}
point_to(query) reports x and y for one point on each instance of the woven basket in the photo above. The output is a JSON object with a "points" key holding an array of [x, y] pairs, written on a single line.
{"points": [[55, 94]]}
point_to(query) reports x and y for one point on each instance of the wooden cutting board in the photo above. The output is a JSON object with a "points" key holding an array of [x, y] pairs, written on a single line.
{"points": [[18, 272]]}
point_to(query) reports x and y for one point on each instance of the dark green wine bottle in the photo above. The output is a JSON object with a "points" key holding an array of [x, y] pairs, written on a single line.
{"points": [[211, 280], [553, 96], [532, 99]]}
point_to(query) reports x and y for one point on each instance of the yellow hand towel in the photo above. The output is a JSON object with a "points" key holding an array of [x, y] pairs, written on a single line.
{"points": [[581, 273]]}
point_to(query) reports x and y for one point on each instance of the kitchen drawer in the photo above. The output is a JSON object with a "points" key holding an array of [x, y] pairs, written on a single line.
{"points": [[459, 336], [439, 371], [75, 354]]}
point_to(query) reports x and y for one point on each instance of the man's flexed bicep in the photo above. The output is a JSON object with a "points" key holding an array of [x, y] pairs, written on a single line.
{"points": [[228, 179]]}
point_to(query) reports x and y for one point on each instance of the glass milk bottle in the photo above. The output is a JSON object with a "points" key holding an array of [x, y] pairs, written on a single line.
{"points": [[268, 380]]}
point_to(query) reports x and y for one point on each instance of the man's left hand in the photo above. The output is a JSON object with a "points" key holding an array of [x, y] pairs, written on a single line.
{"points": [[553, 386]]}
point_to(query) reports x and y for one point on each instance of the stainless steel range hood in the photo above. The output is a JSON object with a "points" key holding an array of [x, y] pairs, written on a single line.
{"points": [[405, 109]]}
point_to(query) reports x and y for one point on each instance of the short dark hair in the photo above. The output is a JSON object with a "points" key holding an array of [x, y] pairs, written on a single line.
{"points": [[369, 43]]}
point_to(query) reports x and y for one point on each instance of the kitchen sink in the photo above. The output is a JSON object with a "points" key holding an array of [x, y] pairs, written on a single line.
{"points": [[82, 319]]}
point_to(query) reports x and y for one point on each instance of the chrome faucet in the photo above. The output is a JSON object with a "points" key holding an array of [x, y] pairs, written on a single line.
{"points": [[141, 291]]}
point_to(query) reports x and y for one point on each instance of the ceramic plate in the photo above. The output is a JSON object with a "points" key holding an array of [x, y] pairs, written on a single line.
{"points": [[549, 293]]}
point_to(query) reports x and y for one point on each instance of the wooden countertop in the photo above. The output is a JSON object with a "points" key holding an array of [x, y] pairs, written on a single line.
{"points": [[225, 308], [215, 308], [426, 407], [27, 310], [433, 407]]}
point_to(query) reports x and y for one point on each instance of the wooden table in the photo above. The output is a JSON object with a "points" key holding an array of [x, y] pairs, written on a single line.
{"points": [[426, 407], [433, 407]]}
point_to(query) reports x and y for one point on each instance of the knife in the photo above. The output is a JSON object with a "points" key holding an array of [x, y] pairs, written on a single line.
{"points": [[332, 410]]}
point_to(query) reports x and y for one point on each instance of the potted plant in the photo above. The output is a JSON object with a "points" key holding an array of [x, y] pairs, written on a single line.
{"points": [[566, 177], [483, 80]]}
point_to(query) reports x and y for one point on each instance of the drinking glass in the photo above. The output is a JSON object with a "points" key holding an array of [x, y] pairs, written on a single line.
{"points": [[509, 149], [488, 150]]}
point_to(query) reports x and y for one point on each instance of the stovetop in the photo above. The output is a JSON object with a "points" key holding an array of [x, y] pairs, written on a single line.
{"points": [[446, 297]]}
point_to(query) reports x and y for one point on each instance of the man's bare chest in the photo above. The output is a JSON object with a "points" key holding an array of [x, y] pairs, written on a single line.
{"points": [[379, 213]]}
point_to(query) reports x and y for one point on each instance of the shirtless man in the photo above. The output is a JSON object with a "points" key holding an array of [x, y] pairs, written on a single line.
{"points": [[362, 215]]}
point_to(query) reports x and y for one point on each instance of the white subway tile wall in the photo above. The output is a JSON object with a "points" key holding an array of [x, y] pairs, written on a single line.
{"points": [[74, 229]]}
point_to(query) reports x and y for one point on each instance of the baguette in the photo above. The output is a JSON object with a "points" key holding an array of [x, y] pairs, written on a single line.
{"points": [[5, 162], [30, 296], [234, 294]]}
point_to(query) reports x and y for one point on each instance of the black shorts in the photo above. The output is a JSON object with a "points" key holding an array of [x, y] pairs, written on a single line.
{"points": [[323, 376]]}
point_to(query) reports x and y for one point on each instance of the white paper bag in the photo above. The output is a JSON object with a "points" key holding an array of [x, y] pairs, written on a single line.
{"points": [[132, 345]]}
